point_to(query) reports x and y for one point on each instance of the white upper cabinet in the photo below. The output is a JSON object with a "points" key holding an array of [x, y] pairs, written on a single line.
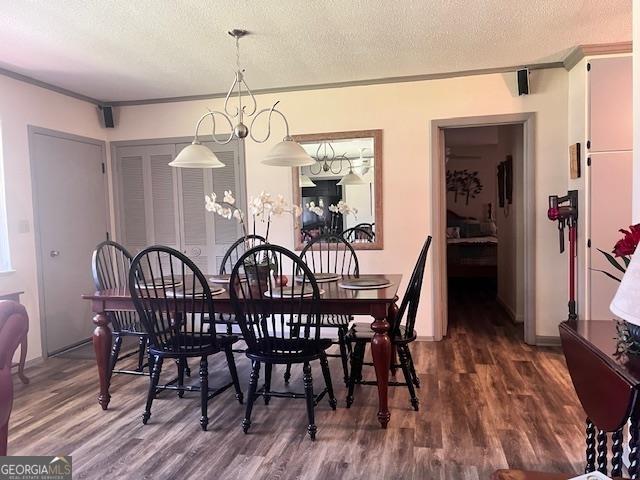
{"points": [[610, 93]]}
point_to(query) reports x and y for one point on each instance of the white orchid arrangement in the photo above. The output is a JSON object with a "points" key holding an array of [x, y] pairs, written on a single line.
{"points": [[317, 209], [343, 209], [261, 208]]}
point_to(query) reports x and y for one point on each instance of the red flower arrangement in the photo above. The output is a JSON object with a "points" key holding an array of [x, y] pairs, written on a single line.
{"points": [[628, 244], [624, 248]]}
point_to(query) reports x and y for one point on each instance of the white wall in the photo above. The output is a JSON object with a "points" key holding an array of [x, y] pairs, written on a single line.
{"points": [[404, 111], [485, 165], [636, 113], [578, 105], [22, 104], [510, 221]]}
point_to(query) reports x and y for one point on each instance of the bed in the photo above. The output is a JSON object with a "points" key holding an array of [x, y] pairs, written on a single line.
{"points": [[472, 247]]}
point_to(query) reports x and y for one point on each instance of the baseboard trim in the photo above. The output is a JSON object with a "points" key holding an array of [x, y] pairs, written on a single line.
{"points": [[547, 341], [425, 338]]}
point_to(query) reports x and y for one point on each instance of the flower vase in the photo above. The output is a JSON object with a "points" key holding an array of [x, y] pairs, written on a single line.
{"points": [[258, 278]]}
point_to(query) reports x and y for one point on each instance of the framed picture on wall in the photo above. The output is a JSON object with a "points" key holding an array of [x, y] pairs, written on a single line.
{"points": [[574, 160]]}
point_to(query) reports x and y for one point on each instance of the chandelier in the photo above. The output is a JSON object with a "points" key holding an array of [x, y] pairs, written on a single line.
{"points": [[287, 153], [326, 158]]}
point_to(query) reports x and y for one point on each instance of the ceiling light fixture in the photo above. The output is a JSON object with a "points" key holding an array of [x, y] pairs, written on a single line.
{"points": [[351, 178], [305, 181], [287, 153]]}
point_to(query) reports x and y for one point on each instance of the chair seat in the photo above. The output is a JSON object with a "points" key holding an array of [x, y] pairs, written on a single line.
{"points": [[283, 351], [522, 475], [361, 332], [190, 343]]}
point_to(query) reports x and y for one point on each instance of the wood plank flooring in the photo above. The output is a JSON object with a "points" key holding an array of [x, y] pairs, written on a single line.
{"points": [[487, 401]]}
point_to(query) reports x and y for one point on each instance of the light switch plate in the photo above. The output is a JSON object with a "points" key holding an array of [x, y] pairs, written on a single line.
{"points": [[592, 476]]}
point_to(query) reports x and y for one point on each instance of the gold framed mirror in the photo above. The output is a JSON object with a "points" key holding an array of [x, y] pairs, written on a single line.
{"points": [[342, 192]]}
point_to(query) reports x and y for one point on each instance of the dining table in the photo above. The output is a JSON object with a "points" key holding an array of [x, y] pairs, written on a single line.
{"points": [[378, 303]]}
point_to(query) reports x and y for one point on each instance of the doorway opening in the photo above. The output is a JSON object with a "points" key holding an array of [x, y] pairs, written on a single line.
{"points": [[483, 225]]}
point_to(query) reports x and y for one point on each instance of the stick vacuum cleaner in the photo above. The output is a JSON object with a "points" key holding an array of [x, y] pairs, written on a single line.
{"points": [[564, 210]]}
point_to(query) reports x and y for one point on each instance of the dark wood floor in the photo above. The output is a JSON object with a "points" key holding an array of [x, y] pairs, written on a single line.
{"points": [[487, 401]]}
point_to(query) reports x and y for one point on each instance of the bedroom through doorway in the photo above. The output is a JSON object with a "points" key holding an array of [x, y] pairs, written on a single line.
{"points": [[484, 219]]}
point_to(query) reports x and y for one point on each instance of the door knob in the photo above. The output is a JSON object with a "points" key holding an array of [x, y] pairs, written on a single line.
{"points": [[54, 253]]}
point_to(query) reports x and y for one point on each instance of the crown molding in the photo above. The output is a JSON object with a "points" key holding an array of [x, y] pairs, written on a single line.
{"points": [[48, 86], [353, 83], [569, 62], [591, 50]]}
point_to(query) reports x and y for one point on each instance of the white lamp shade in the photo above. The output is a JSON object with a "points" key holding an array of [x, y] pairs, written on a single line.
{"points": [[288, 154], [351, 179], [196, 155], [305, 181], [626, 302]]}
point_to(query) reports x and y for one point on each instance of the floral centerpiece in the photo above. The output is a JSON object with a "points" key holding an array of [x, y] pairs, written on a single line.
{"points": [[261, 211], [623, 249], [628, 341]]}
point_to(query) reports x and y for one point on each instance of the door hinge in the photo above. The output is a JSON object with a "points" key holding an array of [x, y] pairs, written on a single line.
{"points": [[103, 168], [588, 67], [588, 161], [589, 243], [588, 144], [108, 236]]}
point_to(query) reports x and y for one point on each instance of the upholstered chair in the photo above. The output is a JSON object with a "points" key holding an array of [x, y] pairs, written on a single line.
{"points": [[14, 325]]}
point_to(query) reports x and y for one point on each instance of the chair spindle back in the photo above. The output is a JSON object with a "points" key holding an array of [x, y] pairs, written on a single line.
{"points": [[173, 300], [273, 317]]}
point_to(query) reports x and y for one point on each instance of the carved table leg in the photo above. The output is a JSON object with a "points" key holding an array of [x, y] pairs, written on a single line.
{"points": [[591, 447], [102, 347], [23, 359], [616, 449], [381, 352], [634, 436], [602, 451]]}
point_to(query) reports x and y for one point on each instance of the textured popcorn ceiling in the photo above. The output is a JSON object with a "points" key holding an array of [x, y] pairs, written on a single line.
{"points": [[142, 49]]}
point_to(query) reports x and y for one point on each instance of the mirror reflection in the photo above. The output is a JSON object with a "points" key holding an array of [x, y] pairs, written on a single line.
{"points": [[338, 193]]}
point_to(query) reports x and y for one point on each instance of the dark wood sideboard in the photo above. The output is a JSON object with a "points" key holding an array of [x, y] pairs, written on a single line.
{"points": [[15, 297]]}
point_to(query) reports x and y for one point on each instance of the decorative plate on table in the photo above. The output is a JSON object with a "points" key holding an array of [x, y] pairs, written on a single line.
{"points": [[222, 278], [197, 294], [358, 283], [166, 282], [288, 292], [322, 277]]}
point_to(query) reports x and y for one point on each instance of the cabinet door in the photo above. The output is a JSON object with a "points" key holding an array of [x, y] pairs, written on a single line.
{"points": [[610, 103], [206, 236], [610, 210], [147, 188]]}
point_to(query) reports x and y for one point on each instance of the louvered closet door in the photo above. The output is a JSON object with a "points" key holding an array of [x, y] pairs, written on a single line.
{"points": [[206, 236], [148, 197]]}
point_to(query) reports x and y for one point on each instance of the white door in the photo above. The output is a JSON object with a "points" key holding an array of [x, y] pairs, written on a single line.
{"points": [[205, 236], [162, 205], [70, 214], [148, 189], [610, 210]]}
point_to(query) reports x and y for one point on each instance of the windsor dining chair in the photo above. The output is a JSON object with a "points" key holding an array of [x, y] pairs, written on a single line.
{"points": [[280, 324], [331, 254], [110, 264], [401, 333], [174, 302]]}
